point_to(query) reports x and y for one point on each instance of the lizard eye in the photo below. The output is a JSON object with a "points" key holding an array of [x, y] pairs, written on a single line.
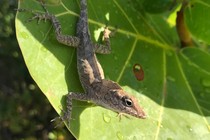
{"points": [[127, 101]]}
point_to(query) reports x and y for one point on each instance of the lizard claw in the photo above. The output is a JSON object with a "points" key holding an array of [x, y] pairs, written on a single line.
{"points": [[37, 15], [61, 120], [122, 114], [107, 32], [65, 117], [55, 119]]}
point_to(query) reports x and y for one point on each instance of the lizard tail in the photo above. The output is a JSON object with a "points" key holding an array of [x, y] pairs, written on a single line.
{"points": [[83, 21]]}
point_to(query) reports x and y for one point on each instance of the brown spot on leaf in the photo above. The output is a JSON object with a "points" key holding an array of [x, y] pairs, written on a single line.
{"points": [[138, 72]]}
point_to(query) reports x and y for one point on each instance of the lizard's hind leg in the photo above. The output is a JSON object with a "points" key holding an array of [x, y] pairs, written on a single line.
{"points": [[64, 39], [106, 47]]}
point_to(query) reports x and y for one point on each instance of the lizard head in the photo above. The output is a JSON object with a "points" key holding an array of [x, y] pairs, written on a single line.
{"points": [[116, 99], [124, 103]]}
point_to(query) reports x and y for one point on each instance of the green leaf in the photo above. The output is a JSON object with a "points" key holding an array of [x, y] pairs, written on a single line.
{"points": [[197, 21], [175, 90], [158, 6]]}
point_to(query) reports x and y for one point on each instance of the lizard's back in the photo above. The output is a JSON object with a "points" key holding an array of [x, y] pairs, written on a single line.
{"points": [[87, 64]]}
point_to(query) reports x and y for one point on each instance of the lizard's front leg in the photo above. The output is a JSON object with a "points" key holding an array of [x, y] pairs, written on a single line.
{"points": [[70, 96]]}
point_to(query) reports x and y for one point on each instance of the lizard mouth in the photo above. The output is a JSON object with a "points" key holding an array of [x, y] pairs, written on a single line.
{"points": [[141, 115]]}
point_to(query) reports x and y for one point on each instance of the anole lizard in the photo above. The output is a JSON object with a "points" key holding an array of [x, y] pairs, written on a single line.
{"points": [[98, 90]]}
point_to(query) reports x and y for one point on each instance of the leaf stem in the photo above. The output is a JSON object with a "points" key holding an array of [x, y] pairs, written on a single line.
{"points": [[182, 30]]}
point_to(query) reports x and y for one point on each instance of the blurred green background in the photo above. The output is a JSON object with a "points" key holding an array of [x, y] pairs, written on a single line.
{"points": [[25, 112]]}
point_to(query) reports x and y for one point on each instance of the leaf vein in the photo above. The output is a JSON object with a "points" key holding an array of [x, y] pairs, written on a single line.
{"points": [[126, 16], [127, 60], [190, 91], [163, 99]]}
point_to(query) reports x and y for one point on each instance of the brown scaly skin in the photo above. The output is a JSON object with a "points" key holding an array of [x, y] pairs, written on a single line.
{"points": [[98, 90]]}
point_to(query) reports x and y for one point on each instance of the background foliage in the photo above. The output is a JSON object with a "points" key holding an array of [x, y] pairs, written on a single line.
{"points": [[25, 113]]}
